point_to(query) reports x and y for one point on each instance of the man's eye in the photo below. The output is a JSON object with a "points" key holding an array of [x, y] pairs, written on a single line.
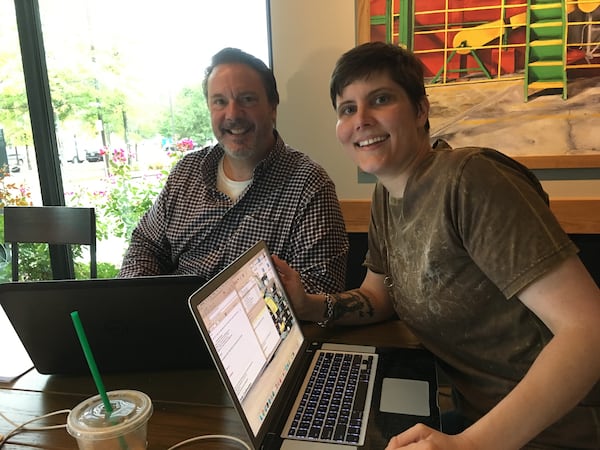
{"points": [[248, 100], [219, 102]]}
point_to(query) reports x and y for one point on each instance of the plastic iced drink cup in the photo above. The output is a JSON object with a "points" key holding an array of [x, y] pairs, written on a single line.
{"points": [[124, 429]]}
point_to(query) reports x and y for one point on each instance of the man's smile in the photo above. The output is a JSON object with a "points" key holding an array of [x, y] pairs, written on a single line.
{"points": [[237, 129]]}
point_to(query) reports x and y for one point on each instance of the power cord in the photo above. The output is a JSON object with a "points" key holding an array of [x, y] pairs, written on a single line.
{"points": [[210, 436], [23, 427]]}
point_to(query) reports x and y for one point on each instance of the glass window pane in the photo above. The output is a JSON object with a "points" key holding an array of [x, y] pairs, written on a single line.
{"points": [[125, 80], [19, 181]]}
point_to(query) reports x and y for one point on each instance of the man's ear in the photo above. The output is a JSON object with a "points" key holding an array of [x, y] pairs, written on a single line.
{"points": [[274, 116]]}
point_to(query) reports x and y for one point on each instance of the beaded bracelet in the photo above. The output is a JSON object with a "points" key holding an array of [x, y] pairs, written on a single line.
{"points": [[328, 311]]}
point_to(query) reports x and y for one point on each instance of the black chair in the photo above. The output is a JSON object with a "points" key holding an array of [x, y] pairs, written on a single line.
{"points": [[53, 225]]}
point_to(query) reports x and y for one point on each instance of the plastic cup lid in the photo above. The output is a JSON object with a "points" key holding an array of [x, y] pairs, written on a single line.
{"points": [[88, 420]]}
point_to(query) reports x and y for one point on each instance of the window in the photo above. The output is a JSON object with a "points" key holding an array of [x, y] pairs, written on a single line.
{"points": [[125, 83]]}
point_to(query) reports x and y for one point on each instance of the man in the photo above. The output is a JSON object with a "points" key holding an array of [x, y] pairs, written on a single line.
{"points": [[219, 201], [464, 249]]}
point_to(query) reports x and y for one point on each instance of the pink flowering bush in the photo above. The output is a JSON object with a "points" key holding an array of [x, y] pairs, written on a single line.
{"points": [[128, 194], [127, 197], [185, 145], [34, 258], [11, 192]]}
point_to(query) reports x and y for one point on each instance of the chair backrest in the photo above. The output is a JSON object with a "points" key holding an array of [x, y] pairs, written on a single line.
{"points": [[51, 225]]}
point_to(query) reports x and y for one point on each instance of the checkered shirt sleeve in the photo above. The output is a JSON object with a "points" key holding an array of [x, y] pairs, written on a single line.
{"points": [[194, 229]]}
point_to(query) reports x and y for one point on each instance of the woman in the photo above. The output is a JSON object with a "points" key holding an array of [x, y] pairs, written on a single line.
{"points": [[464, 249]]}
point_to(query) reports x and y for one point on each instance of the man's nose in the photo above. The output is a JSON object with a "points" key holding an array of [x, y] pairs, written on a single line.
{"points": [[233, 109]]}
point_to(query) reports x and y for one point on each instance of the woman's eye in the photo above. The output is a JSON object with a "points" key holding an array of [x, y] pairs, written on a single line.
{"points": [[381, 99], [347, 110]]}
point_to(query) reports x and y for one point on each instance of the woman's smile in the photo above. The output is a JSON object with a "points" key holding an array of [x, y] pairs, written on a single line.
{"points": [[370, 141]]}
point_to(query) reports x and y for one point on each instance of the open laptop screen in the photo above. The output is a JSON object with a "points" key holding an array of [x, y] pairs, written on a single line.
{"points": [[246, 318]]}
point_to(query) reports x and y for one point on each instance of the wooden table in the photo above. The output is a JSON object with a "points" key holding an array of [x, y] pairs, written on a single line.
{"points": [[186, 403]]}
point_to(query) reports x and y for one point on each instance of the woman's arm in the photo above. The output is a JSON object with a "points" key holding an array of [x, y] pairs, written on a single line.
{"points": [[368, 304], [568, 302]]}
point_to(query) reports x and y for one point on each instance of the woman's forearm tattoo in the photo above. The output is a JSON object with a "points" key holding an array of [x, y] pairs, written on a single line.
{"points": [[352, 302]]}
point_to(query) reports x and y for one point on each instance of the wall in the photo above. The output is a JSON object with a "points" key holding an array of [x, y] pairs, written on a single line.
{"points": [[307, 38]]}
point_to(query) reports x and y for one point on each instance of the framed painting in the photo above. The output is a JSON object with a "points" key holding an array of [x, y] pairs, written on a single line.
{"points": [[519, 76]]}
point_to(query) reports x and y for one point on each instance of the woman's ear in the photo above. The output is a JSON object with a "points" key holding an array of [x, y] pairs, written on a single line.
{"points": [[423, 111]]}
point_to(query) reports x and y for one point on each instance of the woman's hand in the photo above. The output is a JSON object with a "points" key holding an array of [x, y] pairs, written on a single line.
{"points": [[294, 287], [421, 437]]}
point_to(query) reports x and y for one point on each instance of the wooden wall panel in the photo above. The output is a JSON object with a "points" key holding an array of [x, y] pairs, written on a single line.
{"points": [[576, 215]]}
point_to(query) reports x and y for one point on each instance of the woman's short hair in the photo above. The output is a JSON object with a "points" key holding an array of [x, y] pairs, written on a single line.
{"points": [[359, 63]]}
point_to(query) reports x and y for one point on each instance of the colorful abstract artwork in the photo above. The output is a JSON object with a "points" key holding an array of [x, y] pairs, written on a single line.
{"points": [[519, 76]]}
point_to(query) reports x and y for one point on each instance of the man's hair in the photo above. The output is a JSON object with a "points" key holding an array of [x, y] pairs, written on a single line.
{"points": [[231, 55], [359, 63]]}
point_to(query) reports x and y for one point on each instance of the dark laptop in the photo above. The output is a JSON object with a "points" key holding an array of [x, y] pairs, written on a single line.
{"points": [[132, 324], [266, 364]]}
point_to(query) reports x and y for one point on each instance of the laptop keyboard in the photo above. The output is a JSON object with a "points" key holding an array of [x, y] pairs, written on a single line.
{"points": [[333, 406]]}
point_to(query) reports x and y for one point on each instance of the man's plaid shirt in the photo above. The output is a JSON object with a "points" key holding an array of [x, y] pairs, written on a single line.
{"points": [[194, 229]]}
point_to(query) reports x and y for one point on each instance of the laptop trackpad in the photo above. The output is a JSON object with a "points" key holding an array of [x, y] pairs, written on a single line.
{"points": [[403, 396], [292, 444]]}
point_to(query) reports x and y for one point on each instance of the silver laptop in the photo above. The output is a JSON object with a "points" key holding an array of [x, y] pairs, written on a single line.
{"points": [[278, 380]]}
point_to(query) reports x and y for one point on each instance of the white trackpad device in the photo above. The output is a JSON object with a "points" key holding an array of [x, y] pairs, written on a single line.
{"points": [[403, 396]]}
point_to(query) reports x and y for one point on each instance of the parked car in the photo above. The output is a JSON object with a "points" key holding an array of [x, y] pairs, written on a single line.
{"points": [[93, 155], [14, 162], [71, 154]]}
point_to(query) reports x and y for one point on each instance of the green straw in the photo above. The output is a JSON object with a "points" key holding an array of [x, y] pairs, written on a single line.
{"points": [[87, 351], [89, 356]]}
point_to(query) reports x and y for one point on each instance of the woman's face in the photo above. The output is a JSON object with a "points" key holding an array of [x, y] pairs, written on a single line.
{"points": [[379, 127]]}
